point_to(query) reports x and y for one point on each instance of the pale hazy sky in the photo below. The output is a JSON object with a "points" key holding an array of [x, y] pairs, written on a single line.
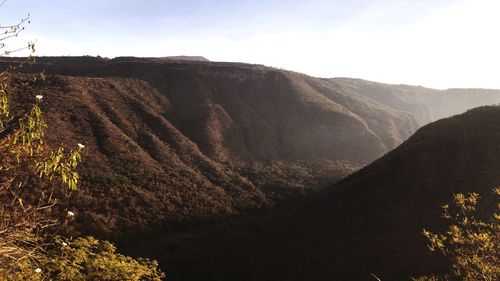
{"points": [[439, 43]]}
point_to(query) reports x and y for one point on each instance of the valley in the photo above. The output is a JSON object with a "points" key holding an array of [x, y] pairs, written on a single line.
{"points": [[230, 171]]}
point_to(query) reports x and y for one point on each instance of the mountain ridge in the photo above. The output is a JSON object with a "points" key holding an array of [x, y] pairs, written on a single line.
{"points": [[193, 139]]}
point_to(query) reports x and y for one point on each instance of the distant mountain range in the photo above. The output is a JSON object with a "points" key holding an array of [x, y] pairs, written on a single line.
{"points": [[162, 59], [424, 104], [188, 139]]}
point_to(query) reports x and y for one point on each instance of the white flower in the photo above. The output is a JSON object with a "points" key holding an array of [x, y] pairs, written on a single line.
{"points": [[38, 270], [64, 244], [70, 214], [81, 146], [39, 97]]}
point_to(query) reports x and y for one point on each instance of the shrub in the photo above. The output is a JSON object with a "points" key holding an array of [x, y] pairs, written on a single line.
{"points": [[471, 244], [87, 258], [32, 175]]}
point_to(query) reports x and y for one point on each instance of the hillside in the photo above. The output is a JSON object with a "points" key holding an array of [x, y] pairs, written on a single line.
{"points": [[193, 139], [190, 140], [370, 222]]}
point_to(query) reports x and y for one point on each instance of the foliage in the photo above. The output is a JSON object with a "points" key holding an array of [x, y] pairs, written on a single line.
{"points": [[32, 178], [24, 212], [281, 178], [471, 244], [83, 259], [87, 258]]}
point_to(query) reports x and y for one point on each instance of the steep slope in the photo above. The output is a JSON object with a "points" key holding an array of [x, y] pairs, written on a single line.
{"points": [[425, 104], [371, 222], [197, 89], [136, 163], [189, 140]]}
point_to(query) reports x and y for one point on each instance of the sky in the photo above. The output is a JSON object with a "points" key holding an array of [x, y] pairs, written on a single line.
{"points": [[433, 43]]}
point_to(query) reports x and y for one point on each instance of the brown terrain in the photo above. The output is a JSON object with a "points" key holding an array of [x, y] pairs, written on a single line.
{"points": [[191, 139], [370, 222], [171, 142]]}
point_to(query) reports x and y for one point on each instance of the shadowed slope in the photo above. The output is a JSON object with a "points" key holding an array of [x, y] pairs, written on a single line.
{"points": [[371, 222]]}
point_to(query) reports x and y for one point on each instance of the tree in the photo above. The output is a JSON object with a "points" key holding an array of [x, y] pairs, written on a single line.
{"points": [[471, 244], [33, 179]]}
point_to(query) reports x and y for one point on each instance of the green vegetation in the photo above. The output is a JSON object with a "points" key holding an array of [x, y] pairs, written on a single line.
{"points": [[281, 178], [33, 179], [90, 259], [82, 259], [471, 244]]}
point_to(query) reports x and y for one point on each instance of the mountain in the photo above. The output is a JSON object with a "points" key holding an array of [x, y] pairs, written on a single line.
{"points": [[190, 58], [193, 140], [425, 105], [163, 59], [190, 140], [370, 222]]}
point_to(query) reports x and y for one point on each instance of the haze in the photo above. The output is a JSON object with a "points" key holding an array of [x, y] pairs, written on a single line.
{"points": [[439, 44]]}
